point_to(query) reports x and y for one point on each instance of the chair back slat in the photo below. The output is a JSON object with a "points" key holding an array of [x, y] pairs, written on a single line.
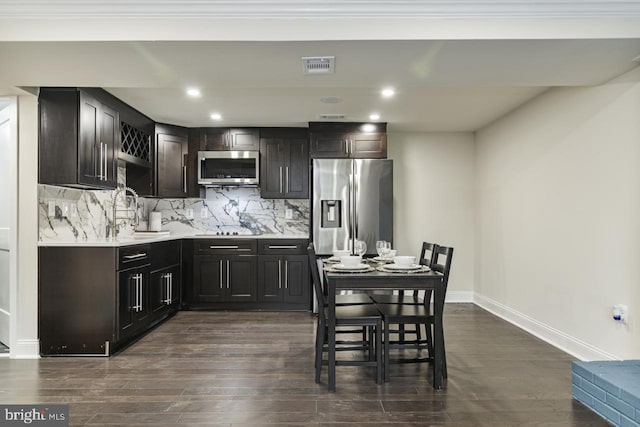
{"points": [[441, 262], [315, 278], [427, 253], [426, 258]]}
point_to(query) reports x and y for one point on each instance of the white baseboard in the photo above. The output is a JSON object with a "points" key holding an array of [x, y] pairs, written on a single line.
{"points": [[25, 349], [5, 318], [459, 297], [579, 349]]}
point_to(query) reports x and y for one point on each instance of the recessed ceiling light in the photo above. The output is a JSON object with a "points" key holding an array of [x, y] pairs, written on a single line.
{"points": [[374, 116], [193, 92], [368, 127], [388, 92], [216, 116]]}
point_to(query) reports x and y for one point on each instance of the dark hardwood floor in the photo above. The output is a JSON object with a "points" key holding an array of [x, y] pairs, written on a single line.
{"points": [[256, 368]]}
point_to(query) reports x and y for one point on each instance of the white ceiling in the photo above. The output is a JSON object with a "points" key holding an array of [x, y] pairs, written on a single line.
{"points": [[443, 81]]}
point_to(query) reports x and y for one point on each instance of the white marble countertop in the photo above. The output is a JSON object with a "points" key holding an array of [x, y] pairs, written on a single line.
{"points": [[137, 240]]}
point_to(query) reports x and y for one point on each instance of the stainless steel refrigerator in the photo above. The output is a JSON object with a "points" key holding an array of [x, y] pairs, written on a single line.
{"points": [[352, 200]]}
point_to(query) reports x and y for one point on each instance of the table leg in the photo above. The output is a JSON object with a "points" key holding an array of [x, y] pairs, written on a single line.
{"points": [[438, 338], [331, 326]]}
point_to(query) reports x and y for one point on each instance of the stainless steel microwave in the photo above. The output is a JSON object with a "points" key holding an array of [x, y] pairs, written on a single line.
{"points": [[228, 168]]}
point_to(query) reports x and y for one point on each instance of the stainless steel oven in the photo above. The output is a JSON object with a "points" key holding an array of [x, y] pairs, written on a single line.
{"points": [[229, 168]]}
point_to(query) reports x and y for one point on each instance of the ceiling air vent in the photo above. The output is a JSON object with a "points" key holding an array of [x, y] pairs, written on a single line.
{"points": [[318, 64], [332, 116]]}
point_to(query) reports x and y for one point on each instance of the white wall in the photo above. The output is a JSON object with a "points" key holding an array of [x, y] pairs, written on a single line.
{"points": [[5, 185], [558, 224], [25, 340], [434, 199]]}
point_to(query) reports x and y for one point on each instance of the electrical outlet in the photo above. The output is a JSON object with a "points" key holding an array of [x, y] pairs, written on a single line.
{"points": [[65, 210], [204, 213], [51, 208], [288, 214], [621, 313], [74, 210], [189, 213]]}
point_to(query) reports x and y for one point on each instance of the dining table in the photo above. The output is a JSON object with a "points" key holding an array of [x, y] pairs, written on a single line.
{"points": [[377, 279]]}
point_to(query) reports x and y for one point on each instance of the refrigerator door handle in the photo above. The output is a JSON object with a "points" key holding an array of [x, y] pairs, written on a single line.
{"points": [[356, 200]]}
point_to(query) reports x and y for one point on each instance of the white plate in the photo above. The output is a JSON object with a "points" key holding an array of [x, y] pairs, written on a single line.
{"points": [[402, 267], [354, 268]]}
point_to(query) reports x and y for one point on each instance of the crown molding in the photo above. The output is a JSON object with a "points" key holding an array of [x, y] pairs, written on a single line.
{"points": [[310, 9]]}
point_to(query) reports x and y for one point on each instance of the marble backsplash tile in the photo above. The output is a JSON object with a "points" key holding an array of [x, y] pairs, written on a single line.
{"points": [[84, 215]]}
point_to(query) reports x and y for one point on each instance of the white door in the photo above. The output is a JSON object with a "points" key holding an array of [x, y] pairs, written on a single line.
{"points": [[5, 219]]}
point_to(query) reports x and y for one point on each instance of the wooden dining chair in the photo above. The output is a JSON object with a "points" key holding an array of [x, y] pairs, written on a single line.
{"points": [[427, 253], [398, 314], [351, 315]]}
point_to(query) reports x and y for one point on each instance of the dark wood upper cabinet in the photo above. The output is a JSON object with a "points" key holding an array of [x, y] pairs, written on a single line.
{"points": [[284, 168], [244, 139], [214, 139], [171, 160], [348, 140], [225, 139], [78, 139]]}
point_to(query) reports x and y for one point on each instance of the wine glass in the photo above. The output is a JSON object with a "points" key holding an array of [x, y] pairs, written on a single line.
{"points": [[382, 247], [360, 247]]}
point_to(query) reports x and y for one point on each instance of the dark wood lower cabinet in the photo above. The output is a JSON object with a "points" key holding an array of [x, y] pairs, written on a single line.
{"points": [[248, 274], [95, 300], [133, 301], [164, 290], [225, 278], [283, 274], [284, 279]]}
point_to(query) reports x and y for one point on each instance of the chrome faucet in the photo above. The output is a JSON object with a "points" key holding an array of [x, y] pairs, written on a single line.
{"points": [[114, 218]]}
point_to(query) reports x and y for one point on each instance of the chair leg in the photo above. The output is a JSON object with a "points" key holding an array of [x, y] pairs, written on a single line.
{"points": [[369, 342], [387, 365], [378, 344], [418, 335], [429, 338], [444, 360], [319, 344]]}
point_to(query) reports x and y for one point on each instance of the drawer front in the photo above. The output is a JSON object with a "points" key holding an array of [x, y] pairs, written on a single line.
{"points": [[133, 256], [282, 246], [226, 246], [164, 254]]}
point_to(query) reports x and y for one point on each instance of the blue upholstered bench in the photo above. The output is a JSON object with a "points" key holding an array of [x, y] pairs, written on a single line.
{"points": [[609, 388]]}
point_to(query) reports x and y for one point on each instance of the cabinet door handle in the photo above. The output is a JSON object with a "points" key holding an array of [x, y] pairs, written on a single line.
{"points": [[167, 288], [280, 179], [106, 169], [184, 179], [100, 163], [279, 274], [136, 280], [346, 146], [170, 288], [224, 247], [286, 274], [136, 256], [141, 297], [220, 274], [282, 247], [227, 274], [286, 177]]}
